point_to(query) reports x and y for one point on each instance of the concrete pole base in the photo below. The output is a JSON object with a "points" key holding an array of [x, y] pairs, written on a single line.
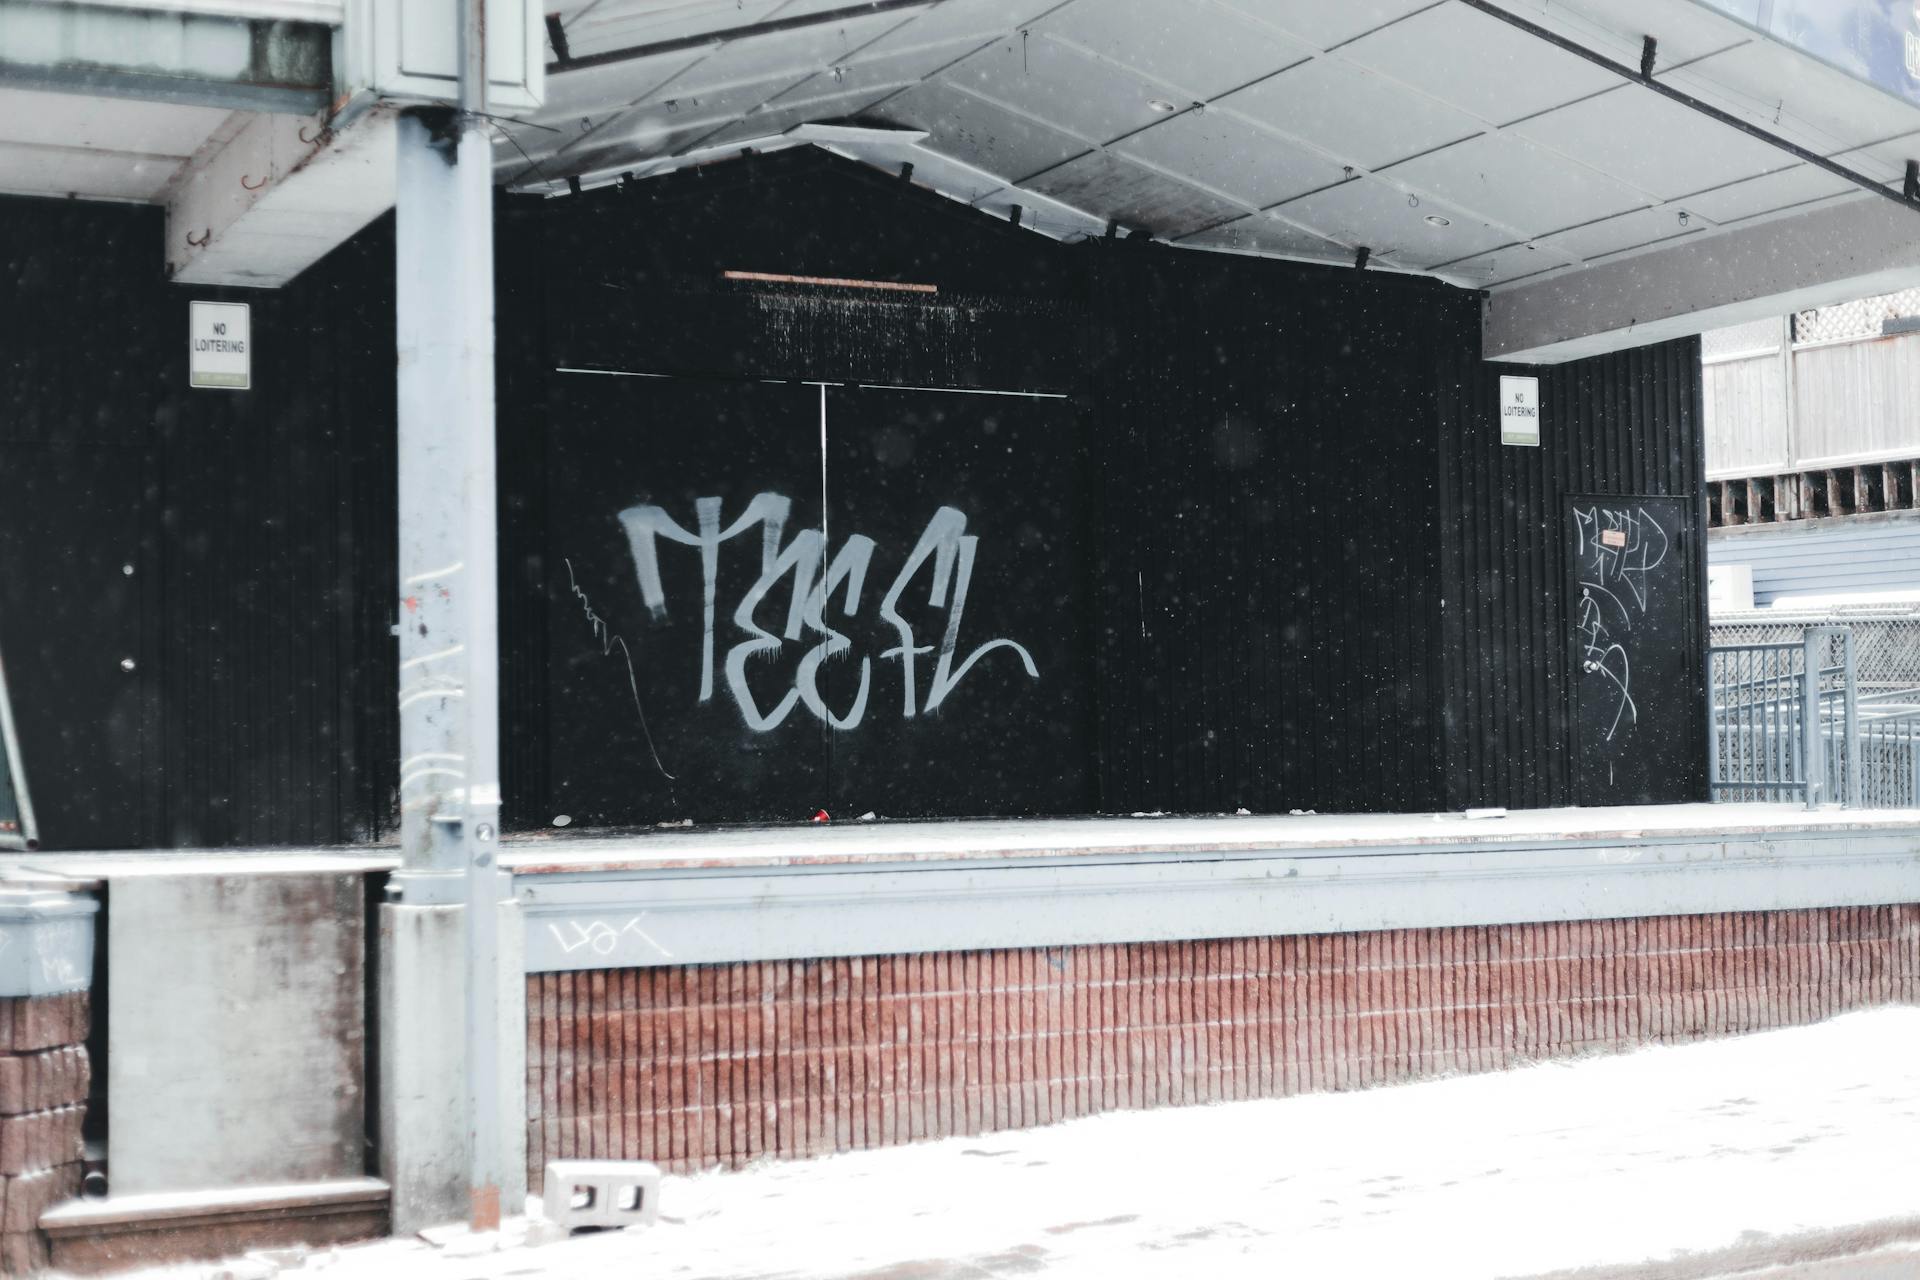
{"points": [[423, 1080]]}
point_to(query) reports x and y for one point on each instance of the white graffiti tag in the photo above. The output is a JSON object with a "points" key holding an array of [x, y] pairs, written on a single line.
{"points": [[1616, 550], [816, 581], [600, 937]]}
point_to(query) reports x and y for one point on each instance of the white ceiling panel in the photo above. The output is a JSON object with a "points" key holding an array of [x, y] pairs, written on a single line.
{"points": [[1369, 212], [1780, 190], [1058, 83], [978, 132], [782, 115], [1885, 160], [1325, 23], [593, 91], [897, 68], [1109, 187], [1652, 143], [1039, 213], [59, 171], [1616, 27], [1511, 182], [1315, 101], [659, 128], [1479, 64], [976, 20], [794, 53], [1628, 231], [1259, 233], [1813, 105], [1198, 49], [1229, 155], [109, 124], [624, 24], [1504, 265], [594, 154]]}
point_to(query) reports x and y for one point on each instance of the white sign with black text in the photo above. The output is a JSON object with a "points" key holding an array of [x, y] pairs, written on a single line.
{"points": [[220, 345], [1519, 411]]}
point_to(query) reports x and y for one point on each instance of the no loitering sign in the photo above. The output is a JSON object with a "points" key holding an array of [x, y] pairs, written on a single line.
{"points": [[220, 345], [1520, 411]]}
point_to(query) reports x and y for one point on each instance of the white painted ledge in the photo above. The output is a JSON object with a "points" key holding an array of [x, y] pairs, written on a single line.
{"points": [[1185, 880]]}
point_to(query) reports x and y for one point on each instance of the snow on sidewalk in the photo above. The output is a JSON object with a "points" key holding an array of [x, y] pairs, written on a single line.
{"points": [[1614, 1160]]}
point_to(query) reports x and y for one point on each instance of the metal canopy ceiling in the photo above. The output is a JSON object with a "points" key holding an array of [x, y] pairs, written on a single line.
{"points": [[59, 144], [1438, 136]]}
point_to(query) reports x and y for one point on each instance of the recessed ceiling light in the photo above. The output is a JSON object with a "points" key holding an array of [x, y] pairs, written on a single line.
{"points": [[1161, 105], [1439, 221]]}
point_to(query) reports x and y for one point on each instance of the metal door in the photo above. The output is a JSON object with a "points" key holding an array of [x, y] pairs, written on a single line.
{"points": [[1635, 713]]}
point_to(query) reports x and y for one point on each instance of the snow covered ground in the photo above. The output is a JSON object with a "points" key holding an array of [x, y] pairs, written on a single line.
{"points": [[1806, 1134]]}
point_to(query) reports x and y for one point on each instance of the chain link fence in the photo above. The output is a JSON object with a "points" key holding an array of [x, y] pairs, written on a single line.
{"points": [[1855, 741]]}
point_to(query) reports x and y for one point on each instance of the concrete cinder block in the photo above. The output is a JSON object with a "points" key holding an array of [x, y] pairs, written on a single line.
{"points": [[601, 1193]]}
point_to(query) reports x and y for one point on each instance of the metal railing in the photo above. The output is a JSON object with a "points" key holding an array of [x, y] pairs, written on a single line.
{"points": [[1783, 718], [1889, 751], [1788, 720]]}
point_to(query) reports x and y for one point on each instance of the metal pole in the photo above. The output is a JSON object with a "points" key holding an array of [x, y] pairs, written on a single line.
{"points": [[1813, 753], [1713, 732], [449, 647], [1850, 673], [475, 165]]}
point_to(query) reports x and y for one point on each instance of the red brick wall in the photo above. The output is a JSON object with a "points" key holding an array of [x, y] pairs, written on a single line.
{"points": [[44, 1075], [717, 1064]]}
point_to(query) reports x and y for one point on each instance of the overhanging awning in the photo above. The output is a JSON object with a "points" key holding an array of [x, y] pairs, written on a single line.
{"points": [[1496, 146]]}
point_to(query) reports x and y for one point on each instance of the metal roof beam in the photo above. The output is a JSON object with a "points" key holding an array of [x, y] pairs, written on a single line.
{"points": [[239, 64], [1645, 79], [723, 35], [1851, 248]]}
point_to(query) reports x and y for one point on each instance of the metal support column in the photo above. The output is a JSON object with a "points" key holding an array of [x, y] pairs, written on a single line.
{"points": [[449, 679]]}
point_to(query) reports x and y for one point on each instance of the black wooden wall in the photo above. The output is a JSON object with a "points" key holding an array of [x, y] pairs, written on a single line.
{"points": [[1261, 537], [1624, 424], [257, 525], [1268, 562]]}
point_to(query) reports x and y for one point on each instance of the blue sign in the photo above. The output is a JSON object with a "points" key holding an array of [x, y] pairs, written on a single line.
{"points": [[1877, 41]]}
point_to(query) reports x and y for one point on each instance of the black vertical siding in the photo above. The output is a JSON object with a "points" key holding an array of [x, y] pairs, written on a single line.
{"points": [[1265, 438], [1625, 424], [265, 561], [1314, 579]]}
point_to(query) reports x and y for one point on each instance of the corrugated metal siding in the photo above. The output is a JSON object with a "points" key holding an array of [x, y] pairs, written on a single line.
{"points": [[264, 666], [1626, 424], [1823, 557]]}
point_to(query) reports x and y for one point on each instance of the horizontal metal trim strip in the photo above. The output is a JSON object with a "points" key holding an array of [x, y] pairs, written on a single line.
{"points": [[628, 920]]}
